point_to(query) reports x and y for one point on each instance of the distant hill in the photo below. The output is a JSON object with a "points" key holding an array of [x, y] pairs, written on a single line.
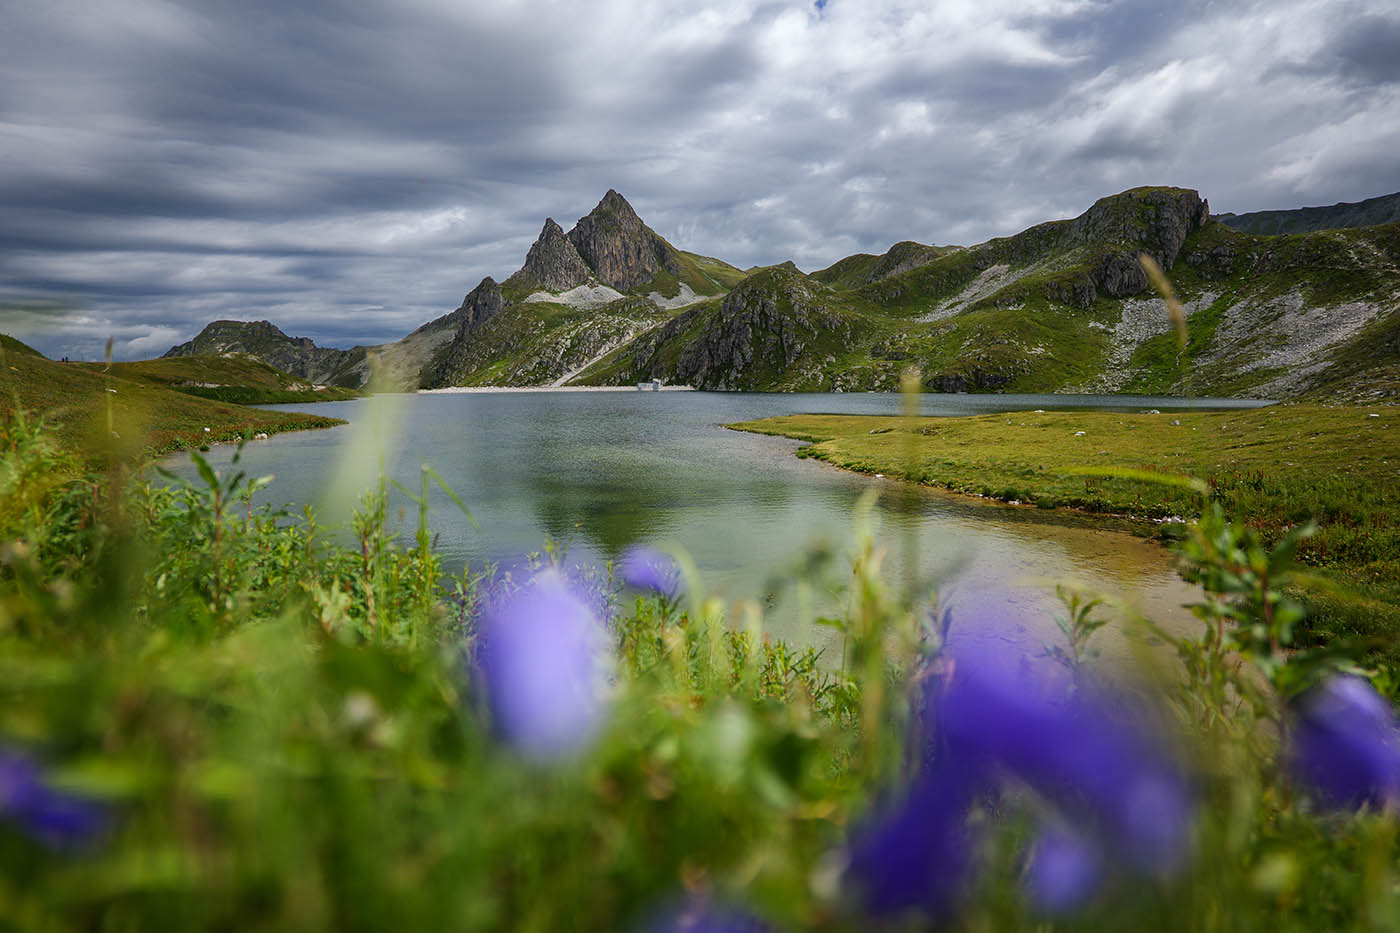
{"points": [[96, 410], [231, 377], [1367, 213]]}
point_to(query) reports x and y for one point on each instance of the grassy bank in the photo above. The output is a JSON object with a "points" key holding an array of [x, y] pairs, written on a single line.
{"points": [[242, 380], [125, 413], [1271, 468]]}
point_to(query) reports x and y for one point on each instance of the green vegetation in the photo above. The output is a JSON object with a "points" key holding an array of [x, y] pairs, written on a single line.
{"points": [[1062, 307], [1272, 469], [9, 344], [221, 719], [90, 409], [243, 380], [536, 343], [705, 274]]}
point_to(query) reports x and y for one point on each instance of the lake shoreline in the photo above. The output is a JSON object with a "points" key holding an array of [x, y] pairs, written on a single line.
{"points": [[1117, 522], [1271, 469]]}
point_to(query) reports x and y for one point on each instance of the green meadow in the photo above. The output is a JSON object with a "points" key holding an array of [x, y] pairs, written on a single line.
{"points": [[1272, 469]]}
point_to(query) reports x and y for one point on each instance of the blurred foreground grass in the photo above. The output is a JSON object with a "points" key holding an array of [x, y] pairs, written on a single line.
{"points": [[216, 717]]}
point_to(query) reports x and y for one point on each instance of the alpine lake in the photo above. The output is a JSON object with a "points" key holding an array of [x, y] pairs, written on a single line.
{"points": [[596, 471]]}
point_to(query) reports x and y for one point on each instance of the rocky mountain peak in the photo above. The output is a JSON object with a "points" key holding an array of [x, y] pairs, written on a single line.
{"points": [[553, 263], [615, 203], [482, 303], [622, 251]]}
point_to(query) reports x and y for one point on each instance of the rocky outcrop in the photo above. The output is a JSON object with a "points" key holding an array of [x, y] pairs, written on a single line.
{"points": [[1070, 262], [902, 257], [975, 381], [521, 348], [481, 304], [621, 250], [1156, 221], [552, 262]]}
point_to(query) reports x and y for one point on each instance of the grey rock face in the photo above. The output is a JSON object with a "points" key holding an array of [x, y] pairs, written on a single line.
{"points": [[1154, 220], [621, 250], [552, 262], [1120, 275], [481, 304]]}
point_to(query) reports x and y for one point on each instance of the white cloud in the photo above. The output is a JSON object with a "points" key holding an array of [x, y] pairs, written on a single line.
{"points": [[355, 171]]}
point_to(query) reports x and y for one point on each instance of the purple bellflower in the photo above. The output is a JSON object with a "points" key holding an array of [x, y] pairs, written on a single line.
{"points": [[1064, 871], [989, 716], [1080, 750], [645, 568], [1345, 744], [545, 660], [58, 820], [915, 854]]}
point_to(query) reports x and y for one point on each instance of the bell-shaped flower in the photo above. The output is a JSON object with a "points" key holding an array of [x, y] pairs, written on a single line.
{"points": [[915, 854], [1345, 745], [545, 660], [646, 568]]}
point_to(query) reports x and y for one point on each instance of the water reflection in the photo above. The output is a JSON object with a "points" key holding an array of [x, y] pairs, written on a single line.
{"points": [[598, 471]]}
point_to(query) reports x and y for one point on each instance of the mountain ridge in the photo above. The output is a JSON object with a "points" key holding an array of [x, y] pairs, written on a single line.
{"points": [[1340, 216], [1061, 306]]}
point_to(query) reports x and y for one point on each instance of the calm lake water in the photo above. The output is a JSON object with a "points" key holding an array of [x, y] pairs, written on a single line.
{"points": [[598, 471]]}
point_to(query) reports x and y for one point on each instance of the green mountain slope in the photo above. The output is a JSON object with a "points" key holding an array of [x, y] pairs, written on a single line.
{"points": [[10, 345], [238, 378], [1314, 315], [539, 343], [1061, 307]]}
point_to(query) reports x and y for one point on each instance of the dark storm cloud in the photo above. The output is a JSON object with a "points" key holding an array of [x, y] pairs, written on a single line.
{"points": [[1369, 49], [350, 170]]}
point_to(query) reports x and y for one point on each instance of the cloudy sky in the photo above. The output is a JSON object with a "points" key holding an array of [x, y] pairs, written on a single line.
{"points": [[350, 170]]}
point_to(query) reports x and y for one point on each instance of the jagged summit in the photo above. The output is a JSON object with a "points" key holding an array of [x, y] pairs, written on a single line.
{"points": [[623, 251], [611, 246], [552, 263]]}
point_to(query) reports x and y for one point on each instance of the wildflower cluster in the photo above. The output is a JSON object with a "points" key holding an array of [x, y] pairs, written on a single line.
{"points": [[217, 717]]}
